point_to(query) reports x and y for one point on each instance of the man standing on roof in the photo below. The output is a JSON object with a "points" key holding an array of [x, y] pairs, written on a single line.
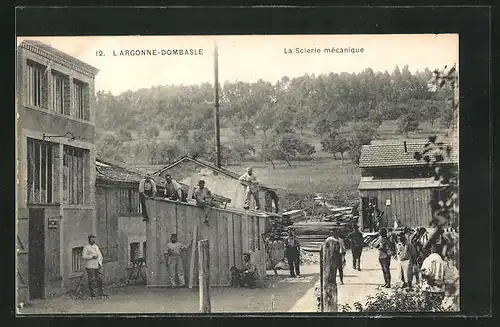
{"points": [[173, 190], [147, 188], [252, 188]]}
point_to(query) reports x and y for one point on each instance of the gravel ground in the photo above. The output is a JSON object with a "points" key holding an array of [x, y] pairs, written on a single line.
{"points": [[281, 290]]}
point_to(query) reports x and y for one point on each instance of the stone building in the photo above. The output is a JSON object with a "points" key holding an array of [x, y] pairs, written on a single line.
{"points": [[55, 156]]}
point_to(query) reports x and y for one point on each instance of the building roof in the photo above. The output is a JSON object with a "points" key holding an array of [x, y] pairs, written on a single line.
{"points": [[54, 54], [394, 155], [221, 170], [108, 171], [388, 184]]}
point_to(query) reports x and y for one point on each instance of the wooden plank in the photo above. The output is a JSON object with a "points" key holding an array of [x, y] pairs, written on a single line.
{"points": [[238, 240], [244, 234], [169, 218], [223, 249], [213, 239], [230, 239], [192, 257], [182, 231]]}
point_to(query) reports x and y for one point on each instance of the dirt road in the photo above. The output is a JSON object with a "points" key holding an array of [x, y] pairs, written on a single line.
{"points": [[357, 284]]}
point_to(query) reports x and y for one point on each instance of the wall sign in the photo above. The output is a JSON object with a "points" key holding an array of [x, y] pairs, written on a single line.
{"points": [[388, 202], [53, 223]]}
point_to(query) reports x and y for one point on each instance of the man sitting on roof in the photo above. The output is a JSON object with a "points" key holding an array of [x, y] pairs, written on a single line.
{"points": [[173, 190], [203, 198]]}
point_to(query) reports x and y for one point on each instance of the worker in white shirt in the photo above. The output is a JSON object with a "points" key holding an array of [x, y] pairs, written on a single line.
{"points": [[147, 188], [93, 263], [252, 188], [433, 274], [174, 261]]}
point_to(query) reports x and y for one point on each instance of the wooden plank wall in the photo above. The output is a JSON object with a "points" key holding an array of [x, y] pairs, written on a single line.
{"points": [[411, 206], [229, 232]]}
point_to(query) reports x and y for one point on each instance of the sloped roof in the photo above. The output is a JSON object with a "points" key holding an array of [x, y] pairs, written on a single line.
{"points": [[394, 155], [221, 170], [201, 163], [111, 172], [388, 184], [37, 45]]}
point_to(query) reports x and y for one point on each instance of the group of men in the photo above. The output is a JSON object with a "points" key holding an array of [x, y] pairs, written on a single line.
{"points": [[434, 268], [174, 191]]}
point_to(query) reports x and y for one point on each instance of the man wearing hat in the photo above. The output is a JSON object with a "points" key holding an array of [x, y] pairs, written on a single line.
{"points": [[252, 188], [93, 263]]}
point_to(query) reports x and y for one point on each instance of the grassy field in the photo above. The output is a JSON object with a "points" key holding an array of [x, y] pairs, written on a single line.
{"points": [[324, 174]]}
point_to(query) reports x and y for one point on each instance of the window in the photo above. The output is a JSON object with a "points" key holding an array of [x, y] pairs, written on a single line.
{"points": [[40, 171], [76, 259], [81, 95], [135, 251], [36, 85], [129, 201], [60, 93], [74, 174]]}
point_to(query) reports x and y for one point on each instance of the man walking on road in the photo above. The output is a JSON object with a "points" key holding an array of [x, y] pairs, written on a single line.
{"points": [[292, 253], [384, 257], [356, 240]]}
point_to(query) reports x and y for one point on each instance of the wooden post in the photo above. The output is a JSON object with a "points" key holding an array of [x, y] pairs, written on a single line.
{"points": [[330, 259], [204, 275], [193, 257], [321, 300]]}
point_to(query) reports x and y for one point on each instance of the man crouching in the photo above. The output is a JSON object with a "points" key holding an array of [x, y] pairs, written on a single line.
{"points": [[248, 275]]}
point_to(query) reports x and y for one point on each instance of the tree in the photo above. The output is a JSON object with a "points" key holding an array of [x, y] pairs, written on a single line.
{"points": [[362, 134], [245, 129], [265, 118], [432, 111], [408, 122], [335, 142]]}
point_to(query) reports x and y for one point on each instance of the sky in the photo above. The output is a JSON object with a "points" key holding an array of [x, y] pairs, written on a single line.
{"points": [[249, 58]]}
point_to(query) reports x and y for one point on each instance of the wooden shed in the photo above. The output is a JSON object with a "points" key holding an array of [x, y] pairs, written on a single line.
{"points": [[398, 185], [231, 232]]}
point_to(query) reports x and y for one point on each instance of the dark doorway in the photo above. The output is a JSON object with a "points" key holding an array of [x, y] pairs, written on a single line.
{"points": [[36, 253]]}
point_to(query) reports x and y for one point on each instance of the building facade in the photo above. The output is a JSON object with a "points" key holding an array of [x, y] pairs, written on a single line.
{"points": [[121, 232], [55, 155], [398, 185]]}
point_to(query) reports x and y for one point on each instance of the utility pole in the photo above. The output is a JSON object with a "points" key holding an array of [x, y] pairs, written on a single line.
{"points": [[216, 99]]}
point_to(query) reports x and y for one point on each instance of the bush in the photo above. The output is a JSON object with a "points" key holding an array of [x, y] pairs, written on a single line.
{"points": [[401, 300]]}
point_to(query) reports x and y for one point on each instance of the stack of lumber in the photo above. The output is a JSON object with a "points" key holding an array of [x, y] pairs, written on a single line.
{"points": [[341, 215], [313, 234]]}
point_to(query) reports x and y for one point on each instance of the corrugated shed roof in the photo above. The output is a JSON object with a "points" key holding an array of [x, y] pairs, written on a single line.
{"points": [[45, 47], [380, 184], [393, 155]]}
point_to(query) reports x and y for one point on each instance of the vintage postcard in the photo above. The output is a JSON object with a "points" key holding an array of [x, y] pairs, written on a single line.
{"points": [[237, 174]]}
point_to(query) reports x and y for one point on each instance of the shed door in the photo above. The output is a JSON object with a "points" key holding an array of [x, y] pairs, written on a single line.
{"points": [[36, 253]]}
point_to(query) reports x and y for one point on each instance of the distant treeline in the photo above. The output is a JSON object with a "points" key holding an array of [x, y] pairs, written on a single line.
{"points": [[282, 111]]}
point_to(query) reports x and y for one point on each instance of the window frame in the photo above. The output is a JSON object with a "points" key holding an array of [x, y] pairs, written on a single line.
{"points": [[73, 181], [43, 156], [36, 95], [81, 94], [78, 252], [65, 108]]}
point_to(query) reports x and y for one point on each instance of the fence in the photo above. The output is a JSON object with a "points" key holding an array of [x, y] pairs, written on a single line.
{"points": [[230, 232]]}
